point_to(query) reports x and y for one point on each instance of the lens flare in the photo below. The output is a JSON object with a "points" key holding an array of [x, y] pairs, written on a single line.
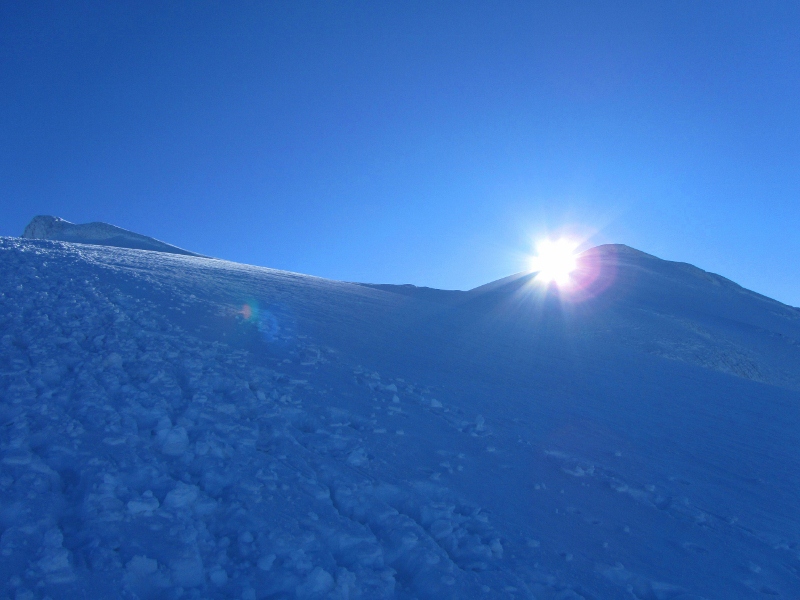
{"points": [[246, 312], [252, 313], [555, 260]]}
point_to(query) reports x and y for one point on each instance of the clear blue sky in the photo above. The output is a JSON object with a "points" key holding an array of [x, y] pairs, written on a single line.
{"points": [[423, 142]]}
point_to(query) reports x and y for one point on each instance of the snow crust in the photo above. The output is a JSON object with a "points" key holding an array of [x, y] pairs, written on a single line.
{"points": [[182, 427]]}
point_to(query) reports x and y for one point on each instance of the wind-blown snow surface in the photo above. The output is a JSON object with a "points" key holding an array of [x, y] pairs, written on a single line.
{"points": [[180, 427]]}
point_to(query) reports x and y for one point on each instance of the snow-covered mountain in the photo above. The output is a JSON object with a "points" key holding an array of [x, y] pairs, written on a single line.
{"points": [[182, 427], [46, 227]]}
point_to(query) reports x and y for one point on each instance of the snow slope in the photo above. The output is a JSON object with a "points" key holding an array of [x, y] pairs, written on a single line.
{"points": [[182, 427], [46, 227]]}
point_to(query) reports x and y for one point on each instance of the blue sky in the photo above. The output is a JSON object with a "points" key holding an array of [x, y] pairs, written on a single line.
{"points": [[428, 143]]}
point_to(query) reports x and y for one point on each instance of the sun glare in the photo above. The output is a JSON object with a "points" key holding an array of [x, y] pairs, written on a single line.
{"points": [[555, 260]]}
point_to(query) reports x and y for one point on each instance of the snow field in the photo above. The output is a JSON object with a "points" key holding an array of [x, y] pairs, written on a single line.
{"points": [[144, 462], [177, 427]]}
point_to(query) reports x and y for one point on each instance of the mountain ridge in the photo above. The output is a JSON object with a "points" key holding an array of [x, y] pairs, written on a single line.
{"points": [[100, 233], [97, 233]]}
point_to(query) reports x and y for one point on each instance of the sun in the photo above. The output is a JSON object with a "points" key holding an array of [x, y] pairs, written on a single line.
{"points": [[555, 260]]}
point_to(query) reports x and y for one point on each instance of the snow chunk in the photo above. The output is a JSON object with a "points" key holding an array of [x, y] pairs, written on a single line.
{"points": [[144, 505], [317, 583], [218, 576], [17, 458], [173, 442], [358, 458], [265, 562], [141, 566], [182, 496], [55, 558]]}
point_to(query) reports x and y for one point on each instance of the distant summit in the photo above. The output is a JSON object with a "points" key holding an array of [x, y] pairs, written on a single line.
{"points": [[46, 227]]}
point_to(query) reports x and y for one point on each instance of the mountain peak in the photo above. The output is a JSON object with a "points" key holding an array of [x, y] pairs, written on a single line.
{"points": [[48, 227], [617, 249]]}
